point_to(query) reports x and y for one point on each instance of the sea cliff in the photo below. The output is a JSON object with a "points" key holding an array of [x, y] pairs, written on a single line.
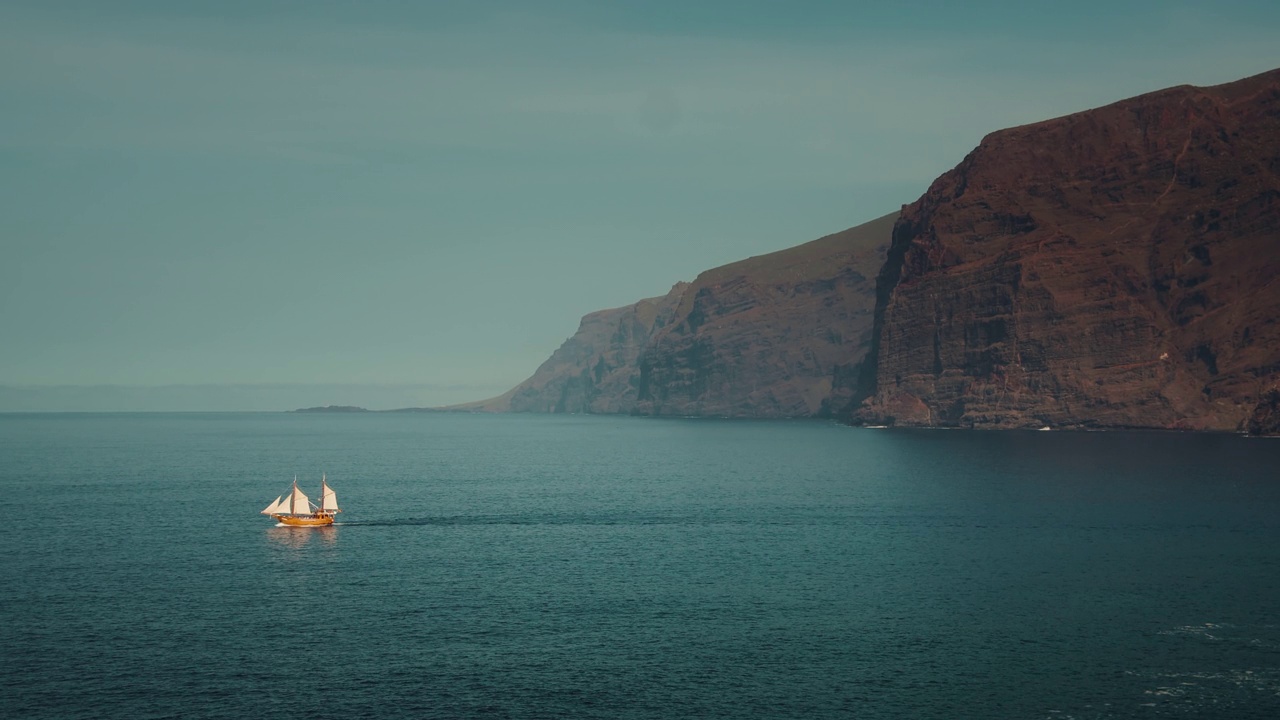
{"points": [[778, 335], [1114, 268], [772, 336], [596, 370]]}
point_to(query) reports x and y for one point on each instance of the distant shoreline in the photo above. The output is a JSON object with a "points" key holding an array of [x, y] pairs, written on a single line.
{"points": [[352, 409]]}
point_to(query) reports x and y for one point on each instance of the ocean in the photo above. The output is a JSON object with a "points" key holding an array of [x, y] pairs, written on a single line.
{"points": [[510, 566]]}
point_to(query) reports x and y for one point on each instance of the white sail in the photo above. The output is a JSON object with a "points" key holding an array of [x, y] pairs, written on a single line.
{"points": [[274, 507], [300, 504], [328, 498]]}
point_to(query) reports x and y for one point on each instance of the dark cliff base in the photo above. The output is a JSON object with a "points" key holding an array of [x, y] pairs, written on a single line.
{"points": [[1265, 419]]}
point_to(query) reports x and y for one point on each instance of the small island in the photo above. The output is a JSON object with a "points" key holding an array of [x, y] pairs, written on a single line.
{"points": [[331, 409]]}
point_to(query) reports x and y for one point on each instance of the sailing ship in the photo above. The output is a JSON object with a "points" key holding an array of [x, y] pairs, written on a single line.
{"points": [[297, 510]]}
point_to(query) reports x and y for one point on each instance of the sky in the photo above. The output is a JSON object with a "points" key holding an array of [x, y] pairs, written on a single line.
{"points": [[428, 195]]}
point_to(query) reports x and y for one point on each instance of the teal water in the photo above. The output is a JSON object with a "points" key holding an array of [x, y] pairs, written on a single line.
{"points": [[596, 567]]}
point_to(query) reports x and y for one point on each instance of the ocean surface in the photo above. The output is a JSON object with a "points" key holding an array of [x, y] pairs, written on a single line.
{"points": [[599, 567]]}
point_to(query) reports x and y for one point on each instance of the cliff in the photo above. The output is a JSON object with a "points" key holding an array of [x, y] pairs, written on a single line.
{"points": [[1113, 268], [777, 335], [595, 370]]}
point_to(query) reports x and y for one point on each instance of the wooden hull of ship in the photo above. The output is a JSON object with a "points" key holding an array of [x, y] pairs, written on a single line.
{"points": [[304, 520]]}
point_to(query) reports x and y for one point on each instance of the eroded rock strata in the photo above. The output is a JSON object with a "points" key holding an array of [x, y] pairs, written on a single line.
{"points": [[1118, 267]]}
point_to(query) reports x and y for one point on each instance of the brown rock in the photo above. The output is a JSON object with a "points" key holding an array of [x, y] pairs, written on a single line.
{"points": [[1113, 268], [1265, 419], [772, 336]]}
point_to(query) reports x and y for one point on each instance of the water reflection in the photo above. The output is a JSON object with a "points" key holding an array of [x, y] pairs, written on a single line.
{"points": [[296, 538]]}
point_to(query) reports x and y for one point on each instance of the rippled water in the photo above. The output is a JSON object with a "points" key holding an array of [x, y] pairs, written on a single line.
{"points": [[515, 566]]}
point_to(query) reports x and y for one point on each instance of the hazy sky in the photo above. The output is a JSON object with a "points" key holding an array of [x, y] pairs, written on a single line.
{"points": [[433, 194]]}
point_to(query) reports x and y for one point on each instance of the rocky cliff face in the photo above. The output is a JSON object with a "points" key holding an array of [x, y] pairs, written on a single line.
{"points": [[596, 370], [1265, 419], [1115, 268], [771, 336]]}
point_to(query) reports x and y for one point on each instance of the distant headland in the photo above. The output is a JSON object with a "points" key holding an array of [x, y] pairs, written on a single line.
{"points": [[331, 409]]}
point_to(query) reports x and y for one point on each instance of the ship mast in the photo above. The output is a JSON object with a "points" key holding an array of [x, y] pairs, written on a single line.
{"points": [[293, 502], [328, 505]]}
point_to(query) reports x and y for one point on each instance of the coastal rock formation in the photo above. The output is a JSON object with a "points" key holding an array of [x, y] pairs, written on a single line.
{"points": [[1265, 419], [777, 335], [772, 336], [595, 370], [1118, 267]]}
